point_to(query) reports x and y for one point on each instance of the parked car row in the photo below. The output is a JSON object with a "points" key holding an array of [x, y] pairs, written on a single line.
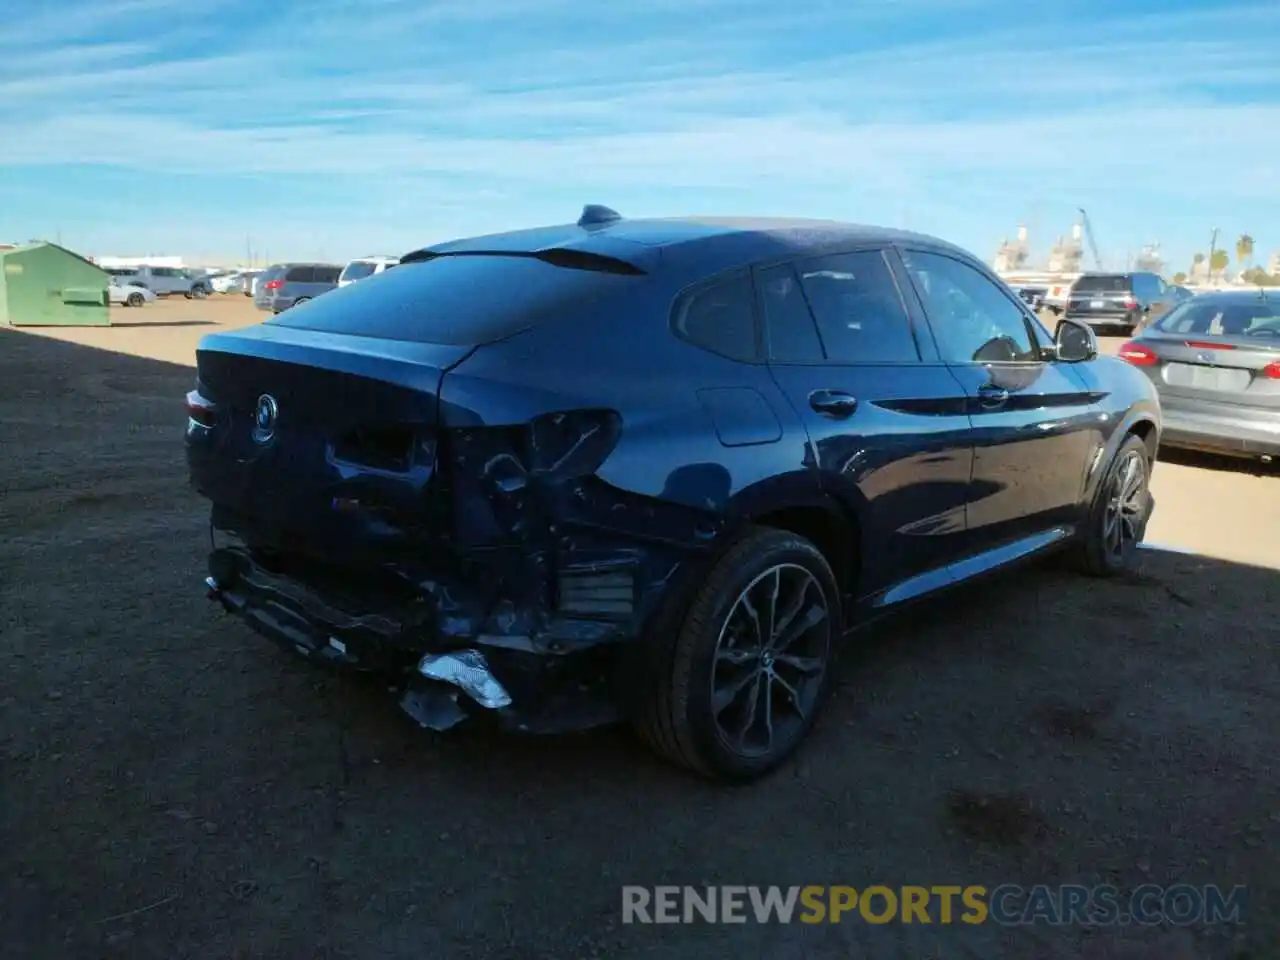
{"points": [[652, 470], [163, 281], [233, 281]]}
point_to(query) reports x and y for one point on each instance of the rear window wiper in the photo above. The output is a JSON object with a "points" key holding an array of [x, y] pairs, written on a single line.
{"points": [[555, 256]]}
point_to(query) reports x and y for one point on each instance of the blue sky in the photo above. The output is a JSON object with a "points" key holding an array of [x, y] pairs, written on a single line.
{"points": [[333, 128]]}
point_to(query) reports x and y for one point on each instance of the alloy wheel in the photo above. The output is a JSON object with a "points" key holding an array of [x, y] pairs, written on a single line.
{"points": [[770, 660], [1126, 503]]}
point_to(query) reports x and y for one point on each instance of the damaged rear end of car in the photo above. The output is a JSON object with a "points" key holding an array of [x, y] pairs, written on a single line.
{"points": [[378, 507]]}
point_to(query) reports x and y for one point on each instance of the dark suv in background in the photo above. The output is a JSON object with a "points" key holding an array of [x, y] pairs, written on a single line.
{"points": [[286, 285], [1119, 301]]}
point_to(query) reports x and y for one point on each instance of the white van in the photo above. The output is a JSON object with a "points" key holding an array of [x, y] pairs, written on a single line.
{"points": [[362, 267]]}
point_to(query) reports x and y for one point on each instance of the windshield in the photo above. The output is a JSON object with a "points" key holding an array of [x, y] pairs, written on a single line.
{"points": [[1215, 318], [358, 270], [459, 300], [1112, 284]]}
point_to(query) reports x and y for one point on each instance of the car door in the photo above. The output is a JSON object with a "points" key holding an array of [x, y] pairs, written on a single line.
{"points": [[1036, 426], [166, 280], [297, 284], [886, 420]]}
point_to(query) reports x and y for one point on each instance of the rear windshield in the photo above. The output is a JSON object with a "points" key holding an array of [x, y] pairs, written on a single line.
{"points": [[358, 270], [1116, 284], [1213, 318], [459, 300]]}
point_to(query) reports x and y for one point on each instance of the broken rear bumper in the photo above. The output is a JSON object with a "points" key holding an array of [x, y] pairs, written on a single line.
{"points": [[441, 677]]}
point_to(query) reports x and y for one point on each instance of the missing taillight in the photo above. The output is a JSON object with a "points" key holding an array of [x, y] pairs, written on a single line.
{"points": [[574, 443], [382, 447]]}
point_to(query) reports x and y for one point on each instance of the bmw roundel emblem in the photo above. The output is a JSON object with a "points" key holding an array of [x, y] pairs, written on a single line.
{"points": [[264, 418]]}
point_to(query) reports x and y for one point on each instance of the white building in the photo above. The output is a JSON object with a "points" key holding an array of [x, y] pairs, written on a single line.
{"points": [[152, 261]]}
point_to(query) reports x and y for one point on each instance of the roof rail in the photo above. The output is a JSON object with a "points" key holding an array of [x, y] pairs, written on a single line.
{"points": [[596, 214]]}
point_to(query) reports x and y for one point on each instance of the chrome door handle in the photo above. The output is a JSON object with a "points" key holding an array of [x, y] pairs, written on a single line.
{"points": [[833, 403], [992, 396]]}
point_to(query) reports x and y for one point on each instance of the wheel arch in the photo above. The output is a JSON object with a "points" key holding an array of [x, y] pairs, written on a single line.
{"points": [[1141, 422], [799, 504]]}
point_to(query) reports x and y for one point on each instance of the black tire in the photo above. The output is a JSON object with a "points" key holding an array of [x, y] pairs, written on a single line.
{"points": [[135, 300], [300, 301], [199, 292], [1099, 553], [675, 713]]}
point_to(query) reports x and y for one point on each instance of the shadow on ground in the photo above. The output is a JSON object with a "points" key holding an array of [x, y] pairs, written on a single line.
{"points": [[164, 323], [174, 787]]}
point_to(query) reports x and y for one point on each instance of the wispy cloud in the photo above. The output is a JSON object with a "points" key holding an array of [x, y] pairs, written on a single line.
{"points": [[501, 106]]}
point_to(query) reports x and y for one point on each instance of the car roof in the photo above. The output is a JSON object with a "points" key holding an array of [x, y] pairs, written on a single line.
{"points": [[712, 242]]}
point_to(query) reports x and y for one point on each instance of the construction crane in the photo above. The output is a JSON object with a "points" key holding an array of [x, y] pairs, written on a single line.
{"points": [[1088, 235]]}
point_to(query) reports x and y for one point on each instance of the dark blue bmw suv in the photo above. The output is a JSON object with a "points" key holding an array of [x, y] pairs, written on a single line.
{"points": [[651, 470]]}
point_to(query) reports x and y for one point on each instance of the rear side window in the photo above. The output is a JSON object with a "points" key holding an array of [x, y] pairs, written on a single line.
{"points": [[463, 300], [790, 333], [720, 318], [300, 275], [856, 305], [1103, 284]]}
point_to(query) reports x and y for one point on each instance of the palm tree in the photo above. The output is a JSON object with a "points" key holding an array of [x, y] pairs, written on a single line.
{"points": [[1244, 248]]}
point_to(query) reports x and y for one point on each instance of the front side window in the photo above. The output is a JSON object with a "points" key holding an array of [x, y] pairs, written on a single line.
{"points": [[972, 318], [721, 318]]}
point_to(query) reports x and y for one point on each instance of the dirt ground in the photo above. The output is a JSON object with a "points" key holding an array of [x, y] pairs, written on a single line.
{"points": [[174, 787]]}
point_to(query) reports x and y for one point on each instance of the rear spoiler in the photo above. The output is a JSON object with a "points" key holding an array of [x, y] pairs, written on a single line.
{"points": [[556, 256]]}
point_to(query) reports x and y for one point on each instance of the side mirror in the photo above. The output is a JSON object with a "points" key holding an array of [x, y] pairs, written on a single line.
{"points": [[1074, 342]]}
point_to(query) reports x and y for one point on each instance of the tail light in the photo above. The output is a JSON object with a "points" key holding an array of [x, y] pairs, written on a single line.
{"points": [[273, 285], [1130, 303], [201, 409], [1137, 354], [1272, 370]]}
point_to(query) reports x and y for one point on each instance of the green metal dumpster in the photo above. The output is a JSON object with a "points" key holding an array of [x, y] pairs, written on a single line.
{"points": [[43, 284]]}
